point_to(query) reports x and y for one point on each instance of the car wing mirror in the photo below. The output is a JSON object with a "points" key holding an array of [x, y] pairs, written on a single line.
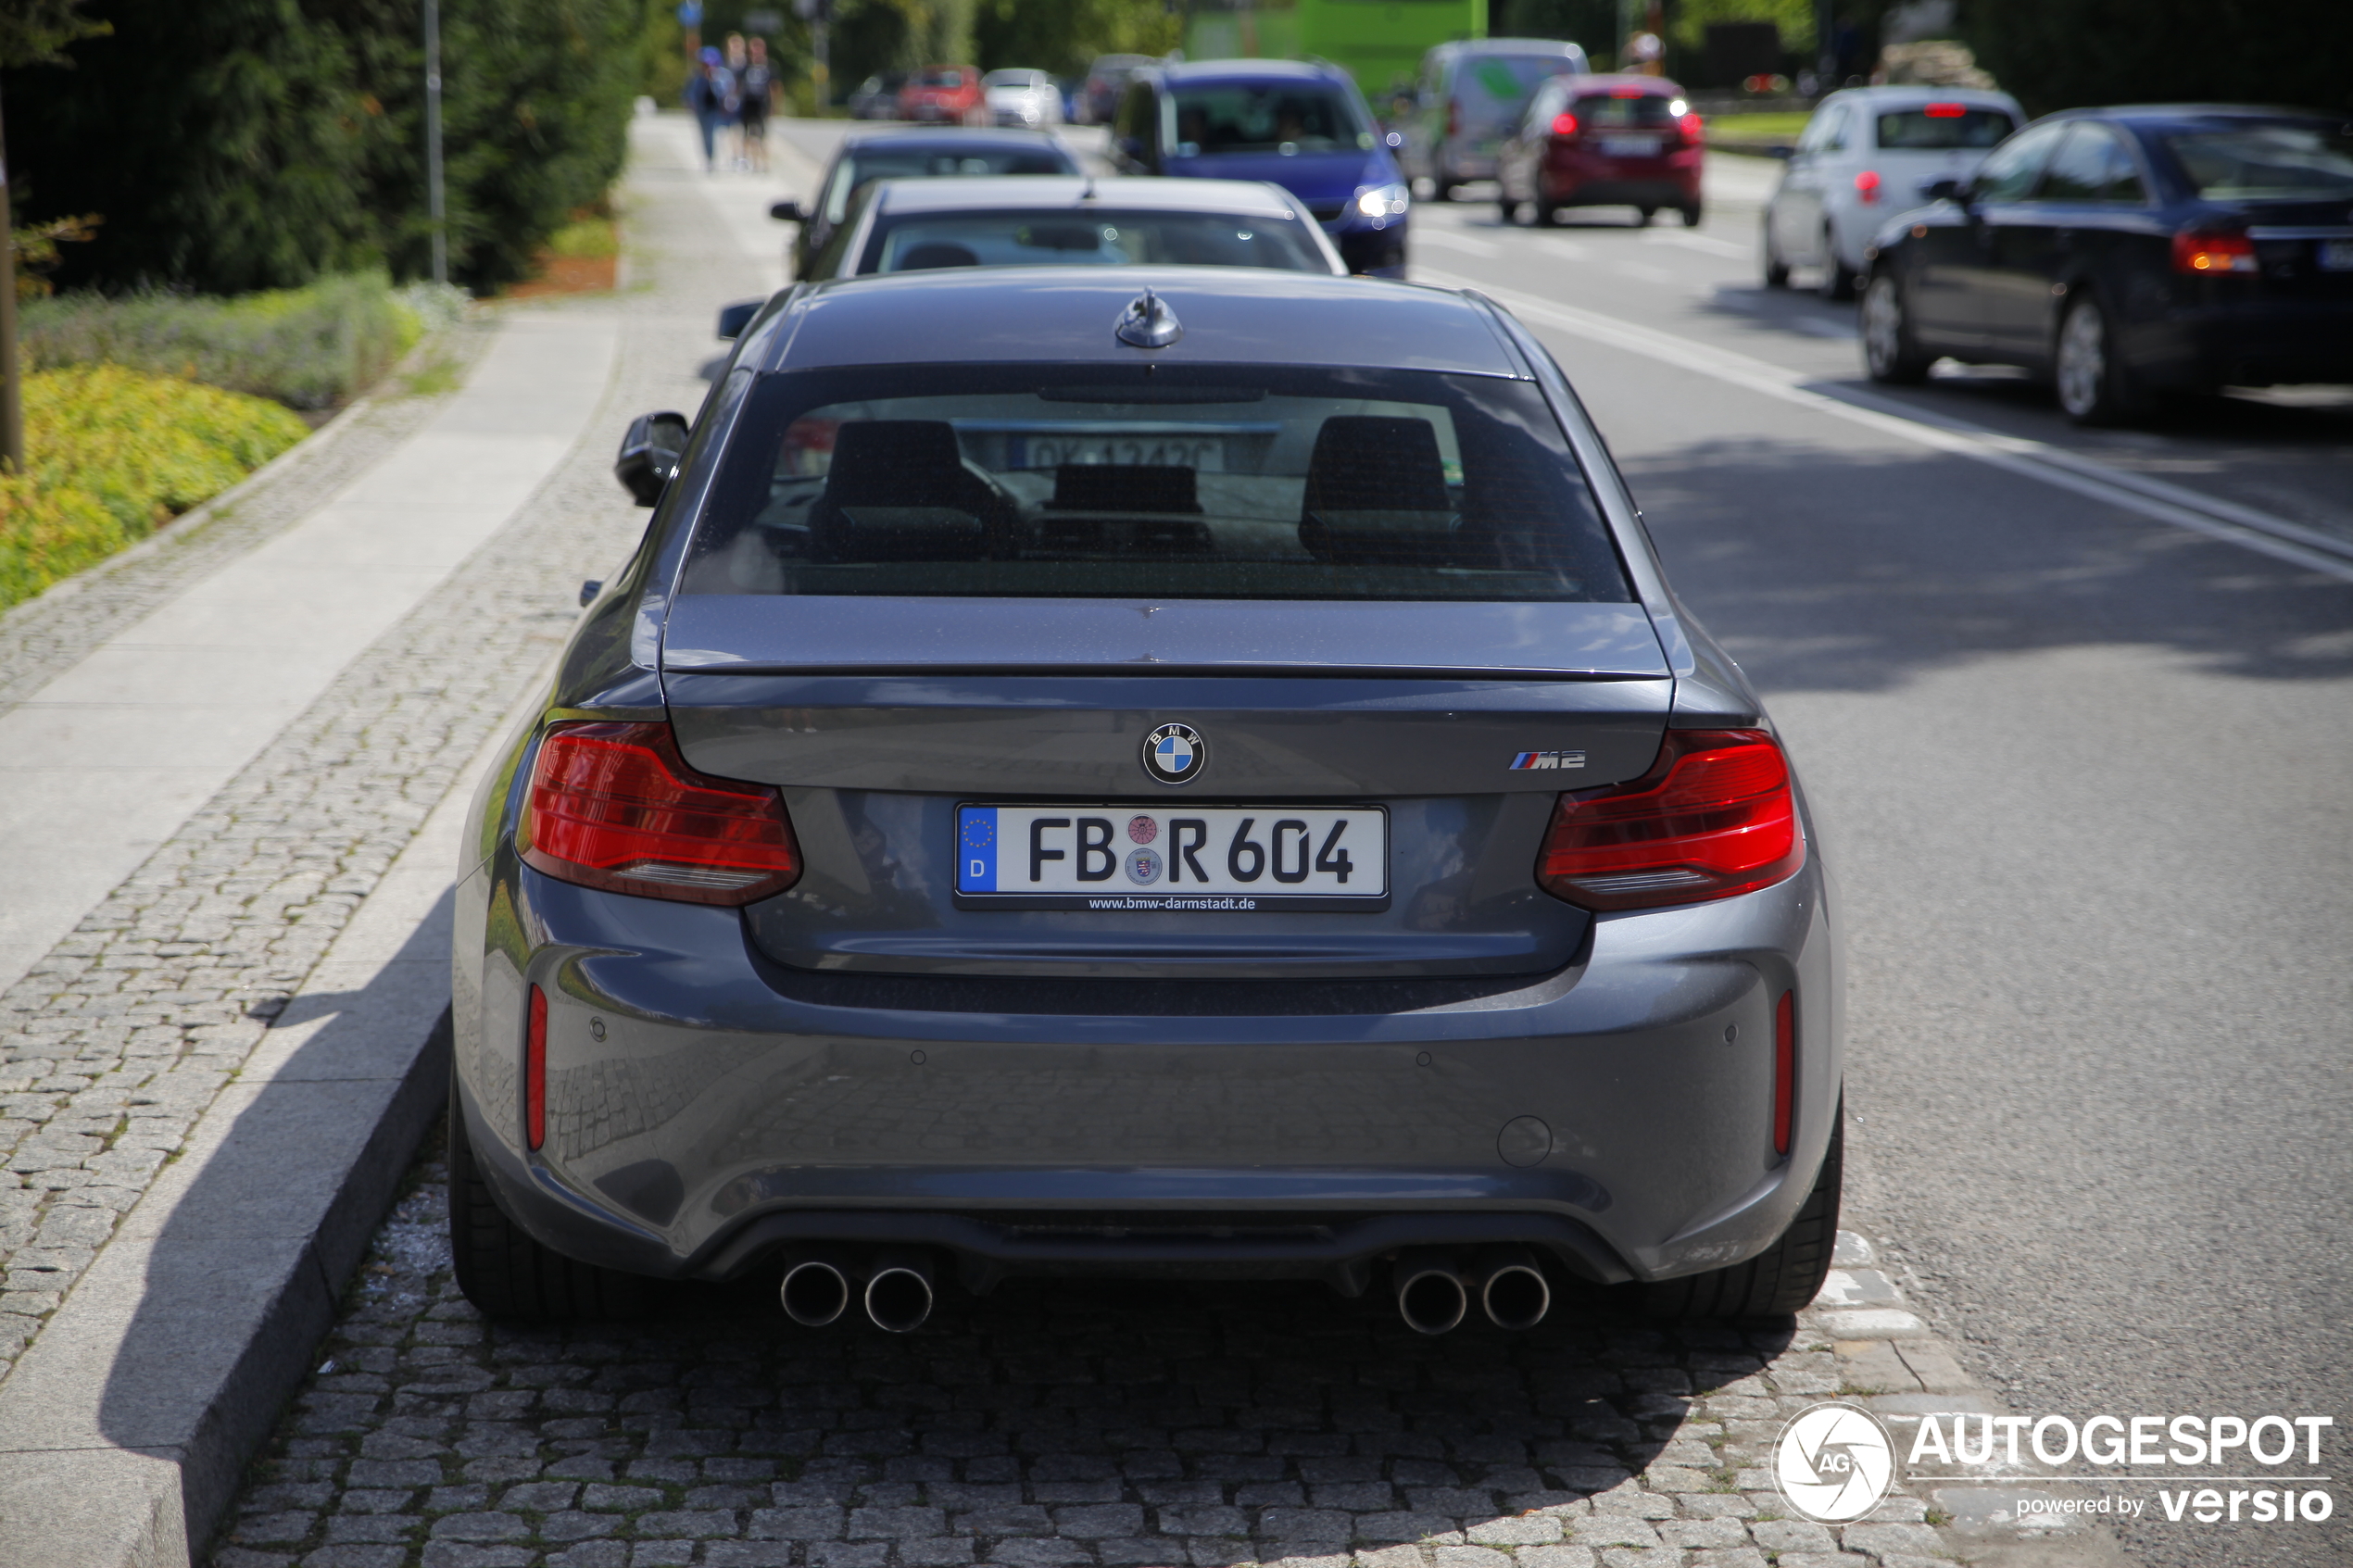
{"points": [[787, 211], [1944, 191], [649, 455], [1782, 153], [734, 319]]}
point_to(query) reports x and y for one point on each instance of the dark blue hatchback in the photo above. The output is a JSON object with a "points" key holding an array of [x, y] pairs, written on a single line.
{"points": [[1301, 126]]}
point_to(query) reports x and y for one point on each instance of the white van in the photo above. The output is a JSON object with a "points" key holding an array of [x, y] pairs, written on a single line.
{"points": [[1469, 96], [1868, 154]]}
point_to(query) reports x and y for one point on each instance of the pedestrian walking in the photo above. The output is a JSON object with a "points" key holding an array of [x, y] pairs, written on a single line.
{"points": [[710, 97], [738, 58], [759, 87]]}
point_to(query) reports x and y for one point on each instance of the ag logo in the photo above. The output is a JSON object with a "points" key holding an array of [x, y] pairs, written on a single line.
{"points": [[1833, 1463], [1174, 754]]}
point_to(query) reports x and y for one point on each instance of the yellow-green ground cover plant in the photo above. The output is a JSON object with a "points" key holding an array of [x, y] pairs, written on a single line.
{"points": [[113, 453]]}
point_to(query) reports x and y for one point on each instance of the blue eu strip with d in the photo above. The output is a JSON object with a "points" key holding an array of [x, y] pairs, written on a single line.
{"points": [[977, 842]]}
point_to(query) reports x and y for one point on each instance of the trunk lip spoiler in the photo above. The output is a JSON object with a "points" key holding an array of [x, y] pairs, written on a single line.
{"points": [[686, 662]]}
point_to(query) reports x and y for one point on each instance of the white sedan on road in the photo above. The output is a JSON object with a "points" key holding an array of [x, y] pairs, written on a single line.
{"points": [[1025, 99], [1866, 153]]}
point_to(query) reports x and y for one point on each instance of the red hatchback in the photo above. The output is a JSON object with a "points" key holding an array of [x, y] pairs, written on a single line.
{"points": [[1602, 141], [944, 95]]}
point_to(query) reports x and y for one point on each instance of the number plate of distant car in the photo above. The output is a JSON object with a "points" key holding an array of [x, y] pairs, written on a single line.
{"points": [[1631, 146], [2336, 256], [1174, 858]]}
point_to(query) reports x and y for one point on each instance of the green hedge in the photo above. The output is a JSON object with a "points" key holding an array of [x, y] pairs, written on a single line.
{"points": [[312, 347], [241, 144]]}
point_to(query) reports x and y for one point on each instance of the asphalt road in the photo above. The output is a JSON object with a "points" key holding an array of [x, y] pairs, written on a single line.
{"points": [[2085, 754]]}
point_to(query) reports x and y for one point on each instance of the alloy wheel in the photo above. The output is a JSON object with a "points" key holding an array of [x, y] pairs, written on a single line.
{"points": [[2083, 360], [1883, 326]]}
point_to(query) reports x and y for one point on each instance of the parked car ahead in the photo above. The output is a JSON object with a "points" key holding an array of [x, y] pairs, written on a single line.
{"points": [[868, 155], [1301, 125], [924, 225], [1868, 152], [1602, 141], [2130, 251], [944, 95], [1469, 98], [1023, 98], [877, 96]]}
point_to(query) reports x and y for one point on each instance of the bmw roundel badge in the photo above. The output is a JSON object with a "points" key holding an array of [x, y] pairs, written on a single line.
{"points": [[1176, 754]]}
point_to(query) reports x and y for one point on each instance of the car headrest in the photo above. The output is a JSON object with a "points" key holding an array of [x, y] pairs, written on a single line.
{"points": [[1376, 462], [895, 462]]}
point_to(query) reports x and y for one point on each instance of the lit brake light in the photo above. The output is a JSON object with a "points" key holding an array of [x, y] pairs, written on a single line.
{"points": [[1627, 93], [1563, 125], [1946, 111], [2196, 253], [1715, 816], [1867, 185], [614, 806], [1693, 128]]}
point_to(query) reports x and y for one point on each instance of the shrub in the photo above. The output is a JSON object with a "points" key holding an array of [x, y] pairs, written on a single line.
{"points": [[308, 348], [110, 455]]}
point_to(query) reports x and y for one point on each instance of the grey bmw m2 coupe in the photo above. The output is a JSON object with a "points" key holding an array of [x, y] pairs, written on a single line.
{"points": [[1181, 772]]}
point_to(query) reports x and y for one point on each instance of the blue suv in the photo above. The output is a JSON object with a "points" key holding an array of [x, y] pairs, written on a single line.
{"points": [[1302, 126]]}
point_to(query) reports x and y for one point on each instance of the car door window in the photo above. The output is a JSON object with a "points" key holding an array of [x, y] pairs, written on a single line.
{"points": [[1543, 108], [2078, 170], [1834, 136], [1810, 139], [2011, 171], [2123, 183]]}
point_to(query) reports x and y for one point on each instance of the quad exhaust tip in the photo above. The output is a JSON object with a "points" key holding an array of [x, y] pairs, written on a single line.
{"points": [[896, 1286], [816, 1290], [899, 1293], [1434, 1295]]}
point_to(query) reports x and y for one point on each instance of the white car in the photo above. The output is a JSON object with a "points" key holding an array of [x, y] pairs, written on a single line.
{"points": [[1868, 152], [1025, 99]]}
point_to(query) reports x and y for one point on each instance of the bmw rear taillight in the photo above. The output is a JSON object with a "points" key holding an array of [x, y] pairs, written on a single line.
{"points": [[1563, 125], [2207, 254], [1867, 186], [1712, 817], [614, 806]]}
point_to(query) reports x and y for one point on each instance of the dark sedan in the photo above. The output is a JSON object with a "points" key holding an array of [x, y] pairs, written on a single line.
{"points": [[2126, 252], [1177, 771], [865, 157]]}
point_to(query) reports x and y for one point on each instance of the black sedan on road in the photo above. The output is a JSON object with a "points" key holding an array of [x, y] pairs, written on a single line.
{"points": [[2126, 252], [865, 157], [1181, 771]]}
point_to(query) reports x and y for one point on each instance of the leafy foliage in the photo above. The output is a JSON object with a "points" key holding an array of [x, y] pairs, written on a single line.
{"points": [[1063, 36], [114, 453], [2063, 54], [32, 32], [307, 348]]}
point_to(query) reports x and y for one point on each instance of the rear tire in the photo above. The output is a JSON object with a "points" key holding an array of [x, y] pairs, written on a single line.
{"points": [[1776, 270], [1890, 352], [1441, 190], [1547, 215], [507, 1274], [1692, 216], [1785, 1278], [1507, 209], [1643, 216], [2095, 387], [1838, 284]]}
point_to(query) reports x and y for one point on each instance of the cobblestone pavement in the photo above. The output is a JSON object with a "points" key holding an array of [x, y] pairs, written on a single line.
{"points": [[1057, 1427], [115, 1043]]}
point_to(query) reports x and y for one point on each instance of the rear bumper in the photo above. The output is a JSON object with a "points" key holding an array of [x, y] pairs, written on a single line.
{"points": [[706, 1109], [2249, 344], [1575, 179]]}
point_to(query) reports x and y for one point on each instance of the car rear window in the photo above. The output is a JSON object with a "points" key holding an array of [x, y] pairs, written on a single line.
{"points": [[870, 163], [1616, 112], [1168, 481], [2284, 160], [1094, 238], [1942, 128], [1238, 117]]}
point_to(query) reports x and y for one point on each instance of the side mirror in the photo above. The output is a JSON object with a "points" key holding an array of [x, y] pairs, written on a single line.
{"points": [[734, 319], [1785, 154], [788, 211], [649, 455], [1943, 191]]}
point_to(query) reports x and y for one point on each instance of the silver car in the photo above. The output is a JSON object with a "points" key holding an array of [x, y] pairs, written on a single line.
{"points": [[1469, 98], [1173, 771]]}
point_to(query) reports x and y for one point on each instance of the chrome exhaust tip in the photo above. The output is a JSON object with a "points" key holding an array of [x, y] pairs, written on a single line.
{"points": [[816, 1291], [1431, 1294], [1513, 1288], [899, 1293]]}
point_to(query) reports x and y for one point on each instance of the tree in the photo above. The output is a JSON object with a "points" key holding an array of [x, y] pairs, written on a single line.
{"points": [[1065, 36], [2064, 54]]}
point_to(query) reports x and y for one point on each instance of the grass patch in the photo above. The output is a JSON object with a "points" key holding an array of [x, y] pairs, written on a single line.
{"points": [[312, 348], [1757, 127], [584, 257], [111, 454]]}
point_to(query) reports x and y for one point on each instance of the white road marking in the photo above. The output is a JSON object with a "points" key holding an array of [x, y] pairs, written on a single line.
{"points": [[2217, 519], [1447, 239], [1707, 243], [1648, 273]]}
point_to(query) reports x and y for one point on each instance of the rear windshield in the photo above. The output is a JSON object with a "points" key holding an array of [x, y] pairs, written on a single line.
{"points": [[1940, 128], [1610, 111], [1507, 80], [2253, 162], [1170, 482], [886, 162], [1092, 239], [1267, 116]]}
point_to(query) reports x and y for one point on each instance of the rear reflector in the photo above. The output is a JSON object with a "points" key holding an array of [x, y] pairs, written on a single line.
{"points": [[2199, 252], [1563, 125], [1784, 1070], [614, 806], [1712, 817], [534, 1072]]}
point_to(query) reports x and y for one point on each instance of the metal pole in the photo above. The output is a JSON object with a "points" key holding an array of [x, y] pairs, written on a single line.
{"points": [[1825, 48], [11, 373], [434, 198]]}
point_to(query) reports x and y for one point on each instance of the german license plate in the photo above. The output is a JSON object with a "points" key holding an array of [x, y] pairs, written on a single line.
{"points": [[1631, 146], [1173, 858], [2336, 256]]}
